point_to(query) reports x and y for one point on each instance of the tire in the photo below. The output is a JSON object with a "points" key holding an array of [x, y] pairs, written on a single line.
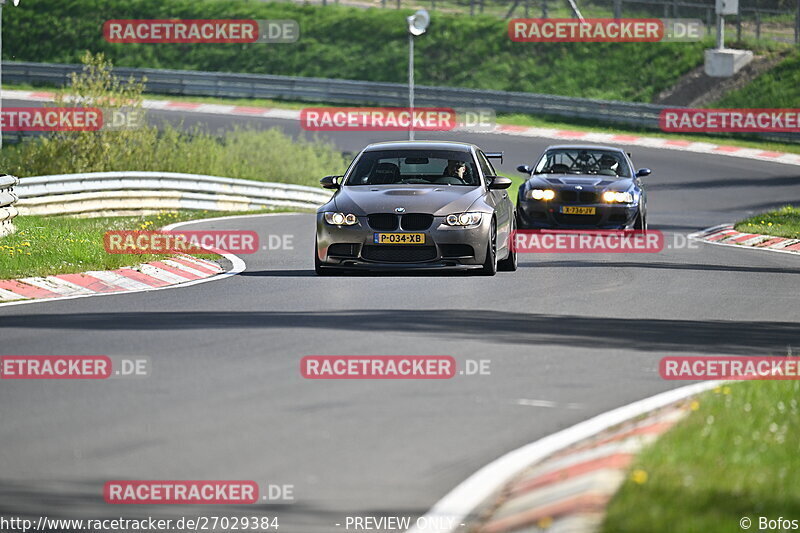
{"points": [[641, 221], [490, 263], [509, 264]]}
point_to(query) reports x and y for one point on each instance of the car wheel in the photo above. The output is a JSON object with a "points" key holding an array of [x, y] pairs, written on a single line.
{"points": [[490, 264], [641, 221], [509, 264]]}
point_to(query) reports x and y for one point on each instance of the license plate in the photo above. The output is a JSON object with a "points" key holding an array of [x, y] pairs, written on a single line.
{"points": [[399, 238], [577, 210]]}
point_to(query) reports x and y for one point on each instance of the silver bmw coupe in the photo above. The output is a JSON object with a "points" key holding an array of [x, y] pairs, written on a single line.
{"points": [[417, 205]]}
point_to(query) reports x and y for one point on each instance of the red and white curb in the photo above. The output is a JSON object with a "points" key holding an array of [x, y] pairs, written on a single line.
{"points": [[465, 504], [153, 275], [505, 129], [727, 236], [570, 490]]}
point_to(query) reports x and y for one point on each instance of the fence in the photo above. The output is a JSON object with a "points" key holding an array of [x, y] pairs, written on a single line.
{"points": [[231, 85], [7, 200], [783, 26], [128, 193]]}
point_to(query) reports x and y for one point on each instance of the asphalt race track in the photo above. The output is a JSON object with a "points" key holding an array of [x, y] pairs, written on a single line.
{"points": [[568, 336]]}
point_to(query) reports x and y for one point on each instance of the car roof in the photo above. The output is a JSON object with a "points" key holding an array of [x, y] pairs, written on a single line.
{"points": [[585, 147], [421, 145]]}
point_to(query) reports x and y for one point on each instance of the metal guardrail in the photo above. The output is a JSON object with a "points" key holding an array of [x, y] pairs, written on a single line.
{"points": [[7, 200], [120, 193], [231, 85]]}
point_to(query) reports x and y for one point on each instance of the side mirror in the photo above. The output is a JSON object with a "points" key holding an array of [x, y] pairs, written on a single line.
{"points": [[499, 182], [330, 182], [525, 169], [643, 172]]}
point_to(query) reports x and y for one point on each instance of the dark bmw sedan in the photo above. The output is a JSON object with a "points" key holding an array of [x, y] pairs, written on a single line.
{"points": [[582, 186], [417, 205]]}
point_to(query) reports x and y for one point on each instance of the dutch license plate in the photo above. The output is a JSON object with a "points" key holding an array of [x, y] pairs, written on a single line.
{"points": [[577, 210], [399, 238]]}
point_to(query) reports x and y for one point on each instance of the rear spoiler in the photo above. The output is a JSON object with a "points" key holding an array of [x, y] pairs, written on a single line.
{"points": [[494, 155]]}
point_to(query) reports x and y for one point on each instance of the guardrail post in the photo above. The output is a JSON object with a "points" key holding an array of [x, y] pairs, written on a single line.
{"points": [[544, 9], [758, 24], [617, 9], [739, 27], [709, 21], [797, 24]]}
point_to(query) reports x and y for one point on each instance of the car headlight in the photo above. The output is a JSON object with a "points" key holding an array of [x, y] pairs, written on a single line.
{"points": [[463, 219], [618, 197], [540, 194], [340, 219]]}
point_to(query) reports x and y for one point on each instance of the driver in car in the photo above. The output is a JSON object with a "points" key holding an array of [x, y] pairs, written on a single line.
{"points": [[456, 169]]}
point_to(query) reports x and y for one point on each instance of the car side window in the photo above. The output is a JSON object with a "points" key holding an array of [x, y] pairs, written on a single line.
{"points": [[486, 167]]}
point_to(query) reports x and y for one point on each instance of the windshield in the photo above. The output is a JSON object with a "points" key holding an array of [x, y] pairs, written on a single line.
{"points": [[424, 167], [582, 161]]}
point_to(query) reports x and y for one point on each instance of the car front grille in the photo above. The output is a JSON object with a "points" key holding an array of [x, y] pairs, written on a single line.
{"points": [[343, 249], [577, 220], [457, 250], [416, 221], [399, 254], [579, 197], [383, 221]]}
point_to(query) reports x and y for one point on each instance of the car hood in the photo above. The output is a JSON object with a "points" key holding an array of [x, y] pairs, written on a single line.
{"points": [[588, 181], [436, 200]]}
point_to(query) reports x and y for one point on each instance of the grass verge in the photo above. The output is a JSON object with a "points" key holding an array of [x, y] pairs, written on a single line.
{"points": [[783, 222], [736, 455], [47, 245]]}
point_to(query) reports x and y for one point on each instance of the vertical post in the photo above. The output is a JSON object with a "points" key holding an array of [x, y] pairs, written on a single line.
{"points": [[720, 32], [544, 9], [411, 85], [471, 7], [398, 4], [674, 9], [527, 7], [666, 10], [617, 9], [1, 69], [797, 24], [383, 4], [758, 24], [739, 27], [709, 21]]}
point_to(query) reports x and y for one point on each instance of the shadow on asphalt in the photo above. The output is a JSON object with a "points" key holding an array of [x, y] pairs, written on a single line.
{"points": [[660, 266], [643, 334]]}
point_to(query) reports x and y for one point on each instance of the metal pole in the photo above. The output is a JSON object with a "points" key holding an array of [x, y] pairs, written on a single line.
{"points": [[1, 70], [411, 85], [720, 32], [617, 9]]}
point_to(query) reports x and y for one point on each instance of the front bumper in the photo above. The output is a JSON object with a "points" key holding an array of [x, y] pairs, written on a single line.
{"points": [[535, 214], [445, 247]]}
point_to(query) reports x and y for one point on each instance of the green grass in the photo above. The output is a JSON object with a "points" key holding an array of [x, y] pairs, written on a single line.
{"points": [[361, 44], [47, 245], [737, 455], [776, 88], [783, 222]]}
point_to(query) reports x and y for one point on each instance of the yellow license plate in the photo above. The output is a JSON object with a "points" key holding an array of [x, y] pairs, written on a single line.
{"points": [[399, 238], [577, 210]]}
